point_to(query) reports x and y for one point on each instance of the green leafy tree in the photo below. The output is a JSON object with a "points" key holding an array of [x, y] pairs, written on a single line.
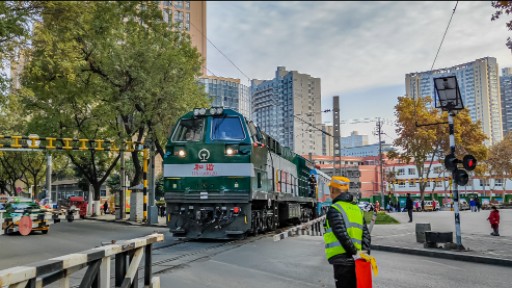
{"points": [[421, 138], [15, 22], [111, 70]]}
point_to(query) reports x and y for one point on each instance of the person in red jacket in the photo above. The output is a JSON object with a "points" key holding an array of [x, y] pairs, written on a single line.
{"points": [[494, 219]]}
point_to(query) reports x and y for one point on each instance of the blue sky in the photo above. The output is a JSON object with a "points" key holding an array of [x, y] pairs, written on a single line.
{"points": [[360, 50]]}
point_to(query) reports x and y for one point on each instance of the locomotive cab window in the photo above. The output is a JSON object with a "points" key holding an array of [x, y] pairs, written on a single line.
{"points": [[189, 130], [227, 128]]}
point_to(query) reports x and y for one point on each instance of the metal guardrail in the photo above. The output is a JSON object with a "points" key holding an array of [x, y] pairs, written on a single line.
{"points": [[312, 228], [127, 253]]}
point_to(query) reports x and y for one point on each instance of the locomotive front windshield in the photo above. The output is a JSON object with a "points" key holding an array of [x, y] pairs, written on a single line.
{"points": [[189, 130], [227, 128]]}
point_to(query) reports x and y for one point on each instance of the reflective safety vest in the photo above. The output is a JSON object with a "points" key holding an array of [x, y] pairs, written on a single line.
{"points": [[353, 217]]}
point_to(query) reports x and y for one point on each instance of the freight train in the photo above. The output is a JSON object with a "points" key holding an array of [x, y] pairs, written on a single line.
{"points": [[224, 178]]}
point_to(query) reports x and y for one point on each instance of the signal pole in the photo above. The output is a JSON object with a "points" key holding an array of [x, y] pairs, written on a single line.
{"points": [[379, 132]]}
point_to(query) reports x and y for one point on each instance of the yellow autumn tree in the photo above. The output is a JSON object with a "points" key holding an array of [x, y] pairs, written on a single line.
{"points": [[423, 135]]}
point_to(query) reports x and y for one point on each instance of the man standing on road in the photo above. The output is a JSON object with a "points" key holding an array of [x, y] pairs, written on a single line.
{"points": [[346, 233], [408, 206]]}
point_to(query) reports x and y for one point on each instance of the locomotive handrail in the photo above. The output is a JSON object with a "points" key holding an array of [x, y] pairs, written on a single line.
{"points": [[312, 228], [97, 261]]}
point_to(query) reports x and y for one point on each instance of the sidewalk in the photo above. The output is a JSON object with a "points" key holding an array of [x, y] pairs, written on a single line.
{"points": [[480, 246], [401, 238]]}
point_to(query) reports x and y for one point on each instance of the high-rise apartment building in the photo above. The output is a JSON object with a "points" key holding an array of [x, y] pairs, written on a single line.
{"points": [[480, 89], [288, 109], [354, 140], [506, 99], [228, 93], [191, 17]]}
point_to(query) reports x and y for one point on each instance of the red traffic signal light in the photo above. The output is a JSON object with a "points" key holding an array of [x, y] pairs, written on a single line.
{"points": [[469, 162], [461, 177]]}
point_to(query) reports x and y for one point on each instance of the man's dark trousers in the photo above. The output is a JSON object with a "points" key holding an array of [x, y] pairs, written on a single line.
{"points": [[345, 275], [409, 211]]}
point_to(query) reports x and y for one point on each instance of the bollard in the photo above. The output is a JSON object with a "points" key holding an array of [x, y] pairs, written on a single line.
{"points": [[421, 228]]}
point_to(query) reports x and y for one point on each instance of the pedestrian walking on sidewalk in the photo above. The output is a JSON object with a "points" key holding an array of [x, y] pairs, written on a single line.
{"points": [[346, 233], [105, 208], [494, 219], [478, 203], [408, 206]]}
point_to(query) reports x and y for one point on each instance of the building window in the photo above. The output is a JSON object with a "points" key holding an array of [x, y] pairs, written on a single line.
{"points": [[438, 169], [439, 184], [498, 182], [412, 171], [400, 172], [187, 5], [401, 184], [178, 4], [412, 184]]}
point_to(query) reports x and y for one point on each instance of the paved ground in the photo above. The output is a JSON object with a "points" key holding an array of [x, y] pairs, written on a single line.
{"points": [[479, 245]]}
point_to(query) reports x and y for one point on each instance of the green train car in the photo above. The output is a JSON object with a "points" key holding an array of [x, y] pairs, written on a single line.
{"points": [[224, 178]]}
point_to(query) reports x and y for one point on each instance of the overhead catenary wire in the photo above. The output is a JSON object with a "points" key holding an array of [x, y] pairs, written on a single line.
{"points": [[444, 36], [222, 53]]}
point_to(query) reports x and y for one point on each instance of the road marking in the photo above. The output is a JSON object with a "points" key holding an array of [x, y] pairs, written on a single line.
{"points": [[447, 265]]}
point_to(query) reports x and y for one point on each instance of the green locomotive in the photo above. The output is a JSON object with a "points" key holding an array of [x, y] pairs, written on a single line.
{"points": [[225, 178]]}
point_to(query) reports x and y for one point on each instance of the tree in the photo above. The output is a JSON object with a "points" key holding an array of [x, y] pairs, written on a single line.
{"points": [[115, 69], [16, 17], [500, 160], [422, 139], [503, 7]]}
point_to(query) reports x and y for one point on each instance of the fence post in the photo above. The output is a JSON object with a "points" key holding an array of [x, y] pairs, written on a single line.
{"points": [[147, 265]]}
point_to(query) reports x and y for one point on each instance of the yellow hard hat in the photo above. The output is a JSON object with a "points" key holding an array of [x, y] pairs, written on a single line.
{"points": [[339, 182]]}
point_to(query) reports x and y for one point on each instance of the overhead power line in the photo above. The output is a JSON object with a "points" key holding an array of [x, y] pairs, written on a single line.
{"points": [[222, 53], [444, 35]]}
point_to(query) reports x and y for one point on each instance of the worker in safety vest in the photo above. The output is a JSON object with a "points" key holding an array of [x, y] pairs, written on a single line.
{"points": [[346, 233]]}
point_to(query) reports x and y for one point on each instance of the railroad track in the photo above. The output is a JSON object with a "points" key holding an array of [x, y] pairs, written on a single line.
{"points": [[177, 261]]}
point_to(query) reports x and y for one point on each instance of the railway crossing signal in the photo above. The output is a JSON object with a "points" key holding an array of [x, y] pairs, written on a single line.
{"points": [[460, 176]]}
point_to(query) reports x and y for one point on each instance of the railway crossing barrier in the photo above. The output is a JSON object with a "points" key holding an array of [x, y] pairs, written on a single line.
{"points": [[19, 142], [312, 228], [127, 254]]}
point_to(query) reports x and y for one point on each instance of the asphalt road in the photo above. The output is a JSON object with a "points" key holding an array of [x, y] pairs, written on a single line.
{"points": [[292, 262], [299, 262]]}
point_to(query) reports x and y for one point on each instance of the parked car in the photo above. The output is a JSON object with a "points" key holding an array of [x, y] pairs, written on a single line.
{"points": [[365, 206], [429, 205]]}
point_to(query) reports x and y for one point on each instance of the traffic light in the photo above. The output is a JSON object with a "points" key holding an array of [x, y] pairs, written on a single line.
{"points": [[450, 162], [461, 177], [469, 162]]}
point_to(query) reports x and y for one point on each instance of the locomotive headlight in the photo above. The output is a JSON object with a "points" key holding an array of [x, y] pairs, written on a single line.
{"points": [[213, 111], [202, 111], [182, 153], [231, 150], [220, 110]]}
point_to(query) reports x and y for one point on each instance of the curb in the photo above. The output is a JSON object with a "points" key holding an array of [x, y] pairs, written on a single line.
{"points": [[445, 255], [125, 222]]}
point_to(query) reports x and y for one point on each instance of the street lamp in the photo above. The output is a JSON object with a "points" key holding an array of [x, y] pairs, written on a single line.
{"points": [[449, 99]]}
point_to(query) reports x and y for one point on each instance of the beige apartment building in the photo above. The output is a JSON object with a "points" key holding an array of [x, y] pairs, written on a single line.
{"points": [[191, 17], [479, 87]]}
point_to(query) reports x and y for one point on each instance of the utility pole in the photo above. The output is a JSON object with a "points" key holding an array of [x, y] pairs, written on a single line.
{"points": [[379, 133], [336, 139]]}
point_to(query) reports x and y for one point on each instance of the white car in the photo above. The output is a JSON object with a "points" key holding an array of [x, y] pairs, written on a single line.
{"points": [[365, 206]]}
